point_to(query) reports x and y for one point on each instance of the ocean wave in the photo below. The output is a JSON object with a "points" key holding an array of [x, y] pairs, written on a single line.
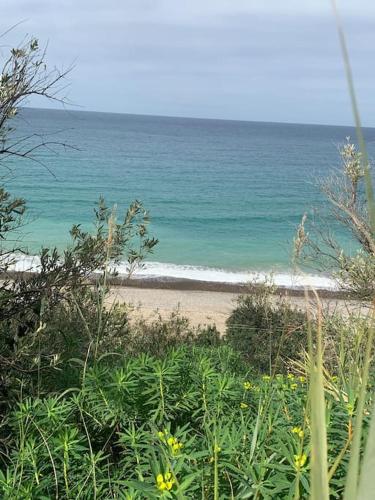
{"points": [[155, 270], [284, 279]]}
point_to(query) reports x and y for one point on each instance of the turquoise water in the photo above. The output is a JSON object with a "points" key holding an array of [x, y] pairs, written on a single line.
{"points": [[224, 194]]}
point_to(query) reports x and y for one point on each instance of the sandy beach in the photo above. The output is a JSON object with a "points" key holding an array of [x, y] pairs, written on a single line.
{"points": [[201, 307]]}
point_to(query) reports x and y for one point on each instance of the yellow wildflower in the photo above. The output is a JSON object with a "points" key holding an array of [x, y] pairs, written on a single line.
{"points": [[159, 478], [247, 386], [290, 376], [266, 378], [177, 447], [164, 482], [174, 444], [302, 379], [243, 406], [300, 460], [293, 387], [298, 431]]}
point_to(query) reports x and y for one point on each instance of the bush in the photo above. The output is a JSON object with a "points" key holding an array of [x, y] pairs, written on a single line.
{"points": [[54, 314], [266, 334], [160, 335], [50, 356]]}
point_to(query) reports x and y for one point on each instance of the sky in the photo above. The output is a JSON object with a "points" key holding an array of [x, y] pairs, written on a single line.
{"points": [[261, 60]]}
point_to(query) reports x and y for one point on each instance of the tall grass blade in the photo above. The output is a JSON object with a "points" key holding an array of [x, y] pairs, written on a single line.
{"points": [[319, 469], [367, 480], [351, 488]]}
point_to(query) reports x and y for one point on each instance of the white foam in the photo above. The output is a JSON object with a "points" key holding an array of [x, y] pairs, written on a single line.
{"points": [[24, 263], [165, 270], [159, 270]]}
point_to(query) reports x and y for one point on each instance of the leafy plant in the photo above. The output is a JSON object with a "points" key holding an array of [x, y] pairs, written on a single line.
{"points": [[192, 424]]}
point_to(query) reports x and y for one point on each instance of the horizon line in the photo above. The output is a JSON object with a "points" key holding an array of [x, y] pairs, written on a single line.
{"points": [[193, 117]]}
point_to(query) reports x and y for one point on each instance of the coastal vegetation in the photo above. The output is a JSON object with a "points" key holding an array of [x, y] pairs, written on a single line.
{"points": [[194, 423], [316, 244], [96, 405]]}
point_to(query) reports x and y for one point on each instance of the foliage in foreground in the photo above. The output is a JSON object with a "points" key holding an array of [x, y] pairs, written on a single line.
{"points": [[195, 424]]}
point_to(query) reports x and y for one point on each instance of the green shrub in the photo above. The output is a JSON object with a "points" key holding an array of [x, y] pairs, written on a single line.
{"points": [[50, 357], [55, 314], [266, 334], [158, 336]]}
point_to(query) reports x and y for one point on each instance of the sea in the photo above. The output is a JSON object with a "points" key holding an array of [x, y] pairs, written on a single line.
{"points": [[225, 197]]}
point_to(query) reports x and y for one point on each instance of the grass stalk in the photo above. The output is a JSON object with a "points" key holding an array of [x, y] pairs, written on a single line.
{"points": [[351, 488], [319, 469], [367, 478]]}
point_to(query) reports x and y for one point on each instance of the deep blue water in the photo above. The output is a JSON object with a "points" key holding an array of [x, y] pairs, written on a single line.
{"points": [[227, 194]]}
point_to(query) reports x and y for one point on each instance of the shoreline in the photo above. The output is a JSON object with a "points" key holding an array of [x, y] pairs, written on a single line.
{"points": [[201, 302], [167, 275], [186, 284]]}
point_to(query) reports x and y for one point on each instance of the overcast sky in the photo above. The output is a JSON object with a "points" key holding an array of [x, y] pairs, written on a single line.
{"points": [[269, 60]]}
